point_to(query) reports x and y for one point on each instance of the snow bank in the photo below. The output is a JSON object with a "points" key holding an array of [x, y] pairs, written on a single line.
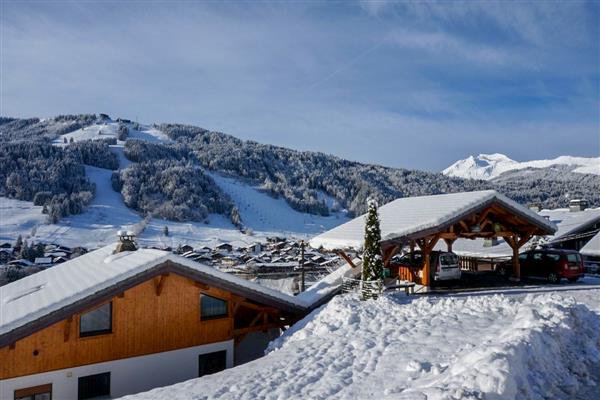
{"points": [[493, 347]]}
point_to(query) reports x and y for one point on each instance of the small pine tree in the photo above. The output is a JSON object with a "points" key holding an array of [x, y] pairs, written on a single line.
{"points": [[19, 242], [166, 230], [65, 140], [372, 258]]}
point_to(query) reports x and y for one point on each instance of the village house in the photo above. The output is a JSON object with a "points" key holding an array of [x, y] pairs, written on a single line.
{"points": [[104, 323]]}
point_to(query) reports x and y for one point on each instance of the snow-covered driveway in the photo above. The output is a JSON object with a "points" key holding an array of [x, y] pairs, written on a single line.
{"points": [[518, 345]]}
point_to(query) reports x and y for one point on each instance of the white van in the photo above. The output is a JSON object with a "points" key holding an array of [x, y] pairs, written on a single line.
{"points": [[444, 265]]}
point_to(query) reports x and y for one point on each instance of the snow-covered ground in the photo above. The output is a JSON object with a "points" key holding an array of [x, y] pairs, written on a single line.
{"points": [[264, 213], [489, 166], [109, 130], [95, 227], [534, 343], [107, 214]]}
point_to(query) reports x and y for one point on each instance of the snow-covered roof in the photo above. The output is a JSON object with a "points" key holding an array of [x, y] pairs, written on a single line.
{"points": [[413, 215], [567, 223], [592, 248], [38, 295]]}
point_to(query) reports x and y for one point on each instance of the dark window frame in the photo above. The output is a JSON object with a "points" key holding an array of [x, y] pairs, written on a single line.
{"points": [[79, 388], [212, 317], [33, 391], [97, 331], [212, 353]]}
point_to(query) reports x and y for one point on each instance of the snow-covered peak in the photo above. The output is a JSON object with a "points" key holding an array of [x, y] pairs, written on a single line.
{"points": [[489, 166]]}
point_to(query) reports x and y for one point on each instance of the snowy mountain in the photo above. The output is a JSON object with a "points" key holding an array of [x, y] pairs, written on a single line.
{"points": [[77, 179], [490, 166]]}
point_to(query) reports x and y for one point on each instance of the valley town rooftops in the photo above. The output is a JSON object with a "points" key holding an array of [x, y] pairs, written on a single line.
{"points": [[43, 298], [414, 217]]}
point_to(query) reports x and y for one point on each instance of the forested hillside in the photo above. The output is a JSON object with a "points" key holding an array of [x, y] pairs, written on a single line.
{"points": [[167, 179]]}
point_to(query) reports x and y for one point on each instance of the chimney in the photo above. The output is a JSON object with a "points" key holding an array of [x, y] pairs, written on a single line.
{"points": [[576, 205], [126, 242]]}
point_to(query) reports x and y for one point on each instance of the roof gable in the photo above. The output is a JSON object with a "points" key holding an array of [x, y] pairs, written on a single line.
{"points": [[415, 216], [44, 296]]}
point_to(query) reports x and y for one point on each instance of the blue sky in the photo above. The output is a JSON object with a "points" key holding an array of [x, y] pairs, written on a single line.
{"points": [[405, 84]]}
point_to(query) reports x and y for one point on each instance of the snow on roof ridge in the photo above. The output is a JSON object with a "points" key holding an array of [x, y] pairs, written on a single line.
{"points": [[81, 277], [409, 215]]}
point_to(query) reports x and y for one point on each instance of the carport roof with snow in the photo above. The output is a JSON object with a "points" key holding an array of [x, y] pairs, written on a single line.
{"points": [[412, 218]]}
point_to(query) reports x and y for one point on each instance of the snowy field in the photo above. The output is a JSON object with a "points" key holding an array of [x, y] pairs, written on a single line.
{"points": [[99, 223], [107, 214], [536, 343]]}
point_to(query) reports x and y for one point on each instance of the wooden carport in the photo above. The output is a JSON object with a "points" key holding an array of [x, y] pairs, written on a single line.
{"points": [[423, 221]]}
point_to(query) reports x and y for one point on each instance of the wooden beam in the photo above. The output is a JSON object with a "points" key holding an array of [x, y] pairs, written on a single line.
{"points": [[449, 243], [159, 283], [387, 256], [256, 319], [201, 285], [259, 308], [346, 258], [483, 216], [448, 235], [67, 330], [464, 225], [242, 331], [236, 306]]}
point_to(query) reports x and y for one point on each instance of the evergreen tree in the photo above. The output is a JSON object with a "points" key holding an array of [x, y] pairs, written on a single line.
{"points": [[372, 259], [19, 243], [166, 231]]}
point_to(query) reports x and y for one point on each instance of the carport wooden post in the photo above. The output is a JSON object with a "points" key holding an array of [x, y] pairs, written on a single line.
{"points": [[516, 243], [449, 243], [427, 246]]}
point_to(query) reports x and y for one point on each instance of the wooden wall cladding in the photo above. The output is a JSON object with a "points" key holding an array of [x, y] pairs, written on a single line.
{"points": [[158, 315]]}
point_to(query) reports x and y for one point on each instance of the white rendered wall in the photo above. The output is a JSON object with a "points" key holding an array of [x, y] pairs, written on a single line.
{"points": [[127, 376]]}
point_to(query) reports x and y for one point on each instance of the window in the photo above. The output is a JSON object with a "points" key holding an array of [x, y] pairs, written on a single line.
{"points": [[523, 257], [42, 392], [92, 386], [96, 322], [211, 363], [553, 257], [538, 256], [573, 258], [211, 307]]}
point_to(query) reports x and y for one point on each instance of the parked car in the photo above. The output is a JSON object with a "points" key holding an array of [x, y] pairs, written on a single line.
{"points": [[444, 265], [550, 264]]}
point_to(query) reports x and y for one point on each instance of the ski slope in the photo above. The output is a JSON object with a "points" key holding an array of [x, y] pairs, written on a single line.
{"points": [[109, 130], [263, 213]]}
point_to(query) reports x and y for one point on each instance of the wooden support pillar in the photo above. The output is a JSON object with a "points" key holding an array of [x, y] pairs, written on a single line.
{"points": [[427, 245], [516, 242], [425, 279], [449, 243], [388, 253]]}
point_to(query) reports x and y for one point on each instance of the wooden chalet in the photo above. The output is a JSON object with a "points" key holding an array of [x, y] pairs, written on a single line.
{"points": [[424, 221], [107, 324]]}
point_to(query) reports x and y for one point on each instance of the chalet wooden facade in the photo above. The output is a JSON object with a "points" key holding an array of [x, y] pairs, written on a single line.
{"points": [[154, 319]]}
